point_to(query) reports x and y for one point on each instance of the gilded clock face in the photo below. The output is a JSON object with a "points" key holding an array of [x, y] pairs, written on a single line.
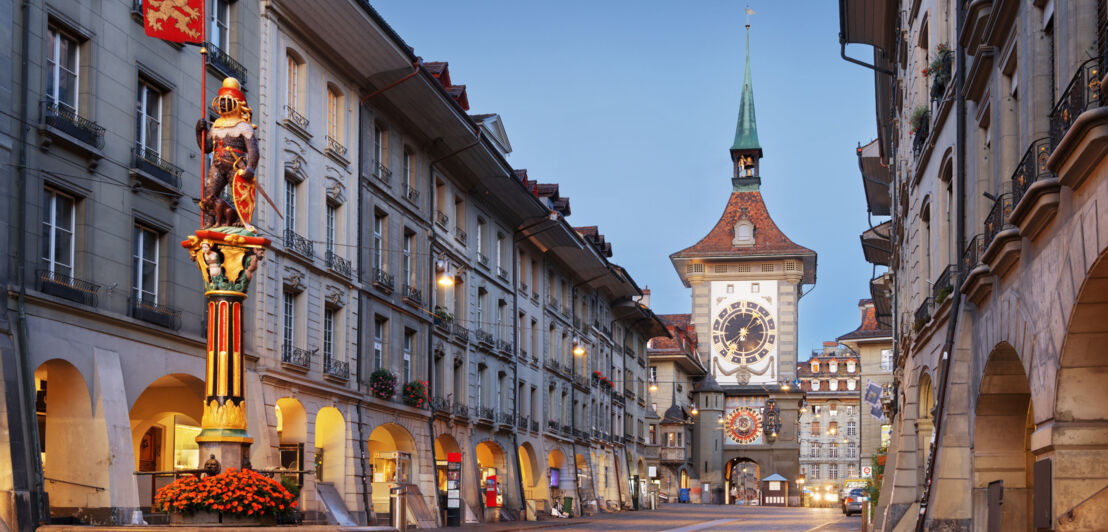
{"points": [[743, 424], [744, 332]]}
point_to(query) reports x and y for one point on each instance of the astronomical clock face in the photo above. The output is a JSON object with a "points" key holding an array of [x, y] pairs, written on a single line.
{"points": [[744, 331], [743, 425]]}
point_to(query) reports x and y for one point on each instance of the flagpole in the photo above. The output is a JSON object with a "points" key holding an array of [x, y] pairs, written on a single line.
{"points": [[203, 110]]}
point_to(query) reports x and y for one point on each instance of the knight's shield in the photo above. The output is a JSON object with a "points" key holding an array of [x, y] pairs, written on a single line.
{"points": [[242, 191]]}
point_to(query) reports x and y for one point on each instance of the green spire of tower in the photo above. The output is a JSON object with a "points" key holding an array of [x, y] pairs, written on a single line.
{"points": [[746, 131]]}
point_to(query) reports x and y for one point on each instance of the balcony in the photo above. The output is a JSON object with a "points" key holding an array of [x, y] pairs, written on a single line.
{"points": [[485, 338], [440, 404], [506, 418], [1079, 127], [296, 122], [922, 128], [66, 287], [534, 425], [482, 259], [336, 150], [552, 302], [505, 346], [382, 279], [461, 410], [486, 413], [338, 264], [523, 422], [1002, 239], [976, 285], [672, 455], [523, 288], [1081, 94], [1035, 190], [411, 193], [335, 369], [163, 315], [412, 294], [222, 63], [944, 286], [63, 123], [460, 235], [923, 316], [502, 273], [461, 333], [877, 246], [441, 220], [382, 173], [298, 244], [552, 425], [147, 164], [296, 358]]}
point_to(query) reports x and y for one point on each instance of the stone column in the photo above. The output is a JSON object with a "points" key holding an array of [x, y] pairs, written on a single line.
{"points": [[227, 258]]}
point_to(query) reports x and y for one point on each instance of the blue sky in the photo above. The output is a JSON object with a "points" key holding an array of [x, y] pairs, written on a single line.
{"points": [[631, 106]]}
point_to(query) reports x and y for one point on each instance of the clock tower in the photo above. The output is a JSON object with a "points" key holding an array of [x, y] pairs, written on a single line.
{"points": [[747, 278]]}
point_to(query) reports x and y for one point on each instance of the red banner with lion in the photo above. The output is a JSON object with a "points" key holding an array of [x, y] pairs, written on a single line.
{"points": [[174, 20]]}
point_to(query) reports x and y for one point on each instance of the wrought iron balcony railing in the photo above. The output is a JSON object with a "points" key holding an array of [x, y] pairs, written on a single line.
{"points": [[923, 315], [225, 64], [1031, 168], [411, 193], [506, 418], [382, 279], [67, 287], [944, 286], [412, 294], [461, 409], [919, 138], [298, 244], [1081, 94], [484, 337], [294, 356], [65, 119], [163, 315], [482, 259], [460, 235], [461, 333], [335, 147], [149, 162], [971, 257], [522, 422], [552, 424], [523, 288], [441, 219], [997, 220], [295, 118], [552, 302], [440, 403], [502, 273], [382, 172], [336, 369], [338, 264], [486, 412], [534, 426], [505, 346]]}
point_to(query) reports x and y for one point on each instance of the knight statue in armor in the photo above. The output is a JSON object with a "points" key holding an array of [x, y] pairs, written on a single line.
{"points": [[234, 148]]}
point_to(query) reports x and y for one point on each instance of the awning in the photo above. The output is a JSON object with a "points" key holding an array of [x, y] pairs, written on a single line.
{"points": [[876, 245], [875, 179], [880, 288], [871, 22]]}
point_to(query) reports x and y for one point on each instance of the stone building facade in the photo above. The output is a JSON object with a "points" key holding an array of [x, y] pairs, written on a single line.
{"points": [[991, 166], [534, 360], [829, 431]]}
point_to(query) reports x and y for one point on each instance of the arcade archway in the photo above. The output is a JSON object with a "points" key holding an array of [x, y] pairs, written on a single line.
{"points": [[445, 445], [392, 454], [1003, 423], [292, 435], [555, 471], [165, 421], [492, 467], [528, 469], [69, 437], [743, 475], [330, 447]]}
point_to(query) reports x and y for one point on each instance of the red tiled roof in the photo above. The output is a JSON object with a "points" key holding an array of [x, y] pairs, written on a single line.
{"points": [[869, 327], [678, 325], [768, 239]]}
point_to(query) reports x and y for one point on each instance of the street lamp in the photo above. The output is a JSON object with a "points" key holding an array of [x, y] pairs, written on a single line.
{"points": [[443, 273], [694, 410], [578, 347]]}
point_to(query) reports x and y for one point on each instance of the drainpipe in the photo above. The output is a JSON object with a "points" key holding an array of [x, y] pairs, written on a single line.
{"points": [[515, 377], [960, 240], [25, 376], [371, 516], [431, 359]]}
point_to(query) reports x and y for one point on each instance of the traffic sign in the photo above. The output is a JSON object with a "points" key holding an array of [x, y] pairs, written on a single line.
{"points": [[867, 471]]}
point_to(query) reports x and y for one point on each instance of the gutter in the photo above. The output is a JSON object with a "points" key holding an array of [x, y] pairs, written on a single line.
{"points": [[960, 222], [515, 379]]}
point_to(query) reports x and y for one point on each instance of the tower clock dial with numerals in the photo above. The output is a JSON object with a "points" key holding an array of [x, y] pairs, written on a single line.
{"points": [[744, 332]]}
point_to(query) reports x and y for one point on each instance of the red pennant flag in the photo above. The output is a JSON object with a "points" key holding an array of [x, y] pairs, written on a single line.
{"points": [[174, 20]]}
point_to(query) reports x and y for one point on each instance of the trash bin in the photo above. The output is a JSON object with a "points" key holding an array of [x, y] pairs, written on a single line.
{"points": [[684, 495], [567, 506], [398, 508]]}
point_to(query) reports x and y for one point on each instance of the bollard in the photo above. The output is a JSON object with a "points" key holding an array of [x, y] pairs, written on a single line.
{"points": [[865, 515], [398, 508], [653, 500]]}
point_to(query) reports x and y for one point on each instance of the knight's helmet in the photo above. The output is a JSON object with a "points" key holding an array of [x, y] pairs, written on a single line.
{"points": [[231, 102]]}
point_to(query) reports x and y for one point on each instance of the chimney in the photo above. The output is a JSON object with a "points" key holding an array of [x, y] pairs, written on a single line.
{"points": [[645, 299]]}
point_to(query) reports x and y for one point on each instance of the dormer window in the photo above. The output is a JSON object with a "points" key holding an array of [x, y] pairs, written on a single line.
{"points": [[833, 366], [833, 385], [815, 366], [852, 384], [815, 385], [744, 233], [850, 366]]}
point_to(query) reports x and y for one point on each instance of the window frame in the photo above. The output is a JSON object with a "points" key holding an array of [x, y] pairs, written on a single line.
{"points": [[380, 330], [290, 204], [51, 227], [138, 262], [142, 140], [288, 325], [328, 335], [329, 216], [219, 24], [55, 34]]}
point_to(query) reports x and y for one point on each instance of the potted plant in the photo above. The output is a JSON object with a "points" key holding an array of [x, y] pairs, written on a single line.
{"points": [[235, 496], [443, 316], [942, 294], [383, 384], [415, 394], [939, 70], [920, 120]]}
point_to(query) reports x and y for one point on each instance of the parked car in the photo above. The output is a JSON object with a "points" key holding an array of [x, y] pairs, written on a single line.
{"points": [[852, 503]]}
